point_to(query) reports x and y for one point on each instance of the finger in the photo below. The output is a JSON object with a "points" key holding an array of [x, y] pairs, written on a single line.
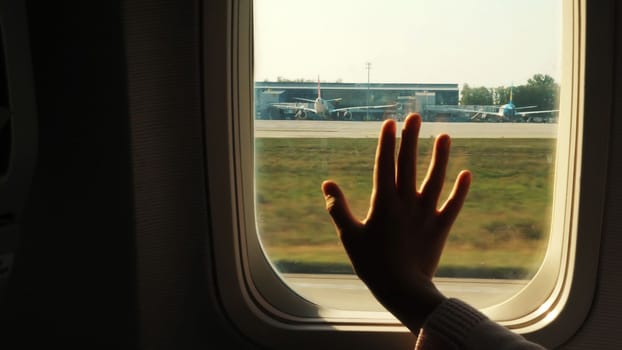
{"points": [[338, 208], [452, 206], [407, 156], [433, 183], [384, 167], [448, 214]]}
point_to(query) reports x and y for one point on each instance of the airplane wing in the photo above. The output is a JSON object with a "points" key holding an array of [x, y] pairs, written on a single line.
{"points": [[304, 99], [363, 108], [293, 106], [491, 112], [334, 99], [471, 110], [522, 114]]}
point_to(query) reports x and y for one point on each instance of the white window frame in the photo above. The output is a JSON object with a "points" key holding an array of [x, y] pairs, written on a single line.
{"points": [[260, 304]]}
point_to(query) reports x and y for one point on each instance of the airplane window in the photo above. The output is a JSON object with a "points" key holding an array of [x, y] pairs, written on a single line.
{"points": [[487, 72]]}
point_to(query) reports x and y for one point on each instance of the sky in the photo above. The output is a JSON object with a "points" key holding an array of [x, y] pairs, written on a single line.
{"points": [[482, 43]]}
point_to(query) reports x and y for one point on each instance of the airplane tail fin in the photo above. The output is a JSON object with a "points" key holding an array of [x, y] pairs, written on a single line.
{"points": [[319, 95]]}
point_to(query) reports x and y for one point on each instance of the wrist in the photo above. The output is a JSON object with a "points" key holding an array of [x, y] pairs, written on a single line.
{"points": [[421, 307], [412, 306]]}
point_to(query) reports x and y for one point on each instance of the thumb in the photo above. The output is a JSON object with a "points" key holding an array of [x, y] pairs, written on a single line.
{"points": [[337, 207]]}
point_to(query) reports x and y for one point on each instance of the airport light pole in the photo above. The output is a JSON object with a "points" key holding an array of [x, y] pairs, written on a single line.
{"points": [[368, 66]]}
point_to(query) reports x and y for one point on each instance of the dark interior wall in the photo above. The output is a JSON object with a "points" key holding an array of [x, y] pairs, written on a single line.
{"points": [[113, 250], [601, 329], [74, 280], [178, 307]]}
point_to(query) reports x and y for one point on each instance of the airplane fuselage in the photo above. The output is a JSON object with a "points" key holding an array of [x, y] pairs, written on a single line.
{"points": [[507, 110], [321, 106]]}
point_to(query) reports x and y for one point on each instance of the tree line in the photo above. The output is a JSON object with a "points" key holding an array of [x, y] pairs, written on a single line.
{"points": [[281, 79], [541, 90]]}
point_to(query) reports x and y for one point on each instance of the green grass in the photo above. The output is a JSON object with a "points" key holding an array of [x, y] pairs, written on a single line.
{"points": [[501, 232]]}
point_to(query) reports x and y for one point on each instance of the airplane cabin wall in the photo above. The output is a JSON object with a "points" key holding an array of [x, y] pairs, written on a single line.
{"points": [[601, 329], [73, 278]]}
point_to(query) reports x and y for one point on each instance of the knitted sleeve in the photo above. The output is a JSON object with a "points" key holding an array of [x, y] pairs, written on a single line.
{"points": [[456, 325]]}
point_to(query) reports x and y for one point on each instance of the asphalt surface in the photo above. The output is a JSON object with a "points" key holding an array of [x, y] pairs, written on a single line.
{"points": [[349, 293], [353, 129]]}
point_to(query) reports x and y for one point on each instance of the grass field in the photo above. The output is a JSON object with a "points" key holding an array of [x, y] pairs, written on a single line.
{"points": [[501, 232]]}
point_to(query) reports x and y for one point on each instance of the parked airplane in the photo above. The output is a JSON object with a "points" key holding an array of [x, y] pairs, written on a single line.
{"points": [[507, 113], [325, 109]]}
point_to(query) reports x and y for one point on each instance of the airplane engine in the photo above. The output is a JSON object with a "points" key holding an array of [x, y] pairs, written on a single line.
{"points": [[301, 114]]}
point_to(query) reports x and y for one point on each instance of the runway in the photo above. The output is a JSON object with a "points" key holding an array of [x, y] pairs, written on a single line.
{"points": [[348, 292], [356, 129]]}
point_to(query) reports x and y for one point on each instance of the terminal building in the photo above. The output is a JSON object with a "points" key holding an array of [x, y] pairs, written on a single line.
{"points": [[408, 97]]}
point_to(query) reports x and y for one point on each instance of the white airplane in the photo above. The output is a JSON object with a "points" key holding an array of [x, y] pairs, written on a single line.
{"points": [[324, 107], [507, 112]]}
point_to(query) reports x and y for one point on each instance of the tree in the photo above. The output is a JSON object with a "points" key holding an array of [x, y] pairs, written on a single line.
{"points": [[500, 95], [281, 79], [476, 96], [541, 91], [546, 91]]}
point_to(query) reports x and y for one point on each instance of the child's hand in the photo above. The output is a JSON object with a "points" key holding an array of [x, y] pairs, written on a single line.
{"points": [[396, 249]]}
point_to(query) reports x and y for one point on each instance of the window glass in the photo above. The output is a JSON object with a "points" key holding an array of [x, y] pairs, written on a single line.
{"points": [[328, 72]]}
